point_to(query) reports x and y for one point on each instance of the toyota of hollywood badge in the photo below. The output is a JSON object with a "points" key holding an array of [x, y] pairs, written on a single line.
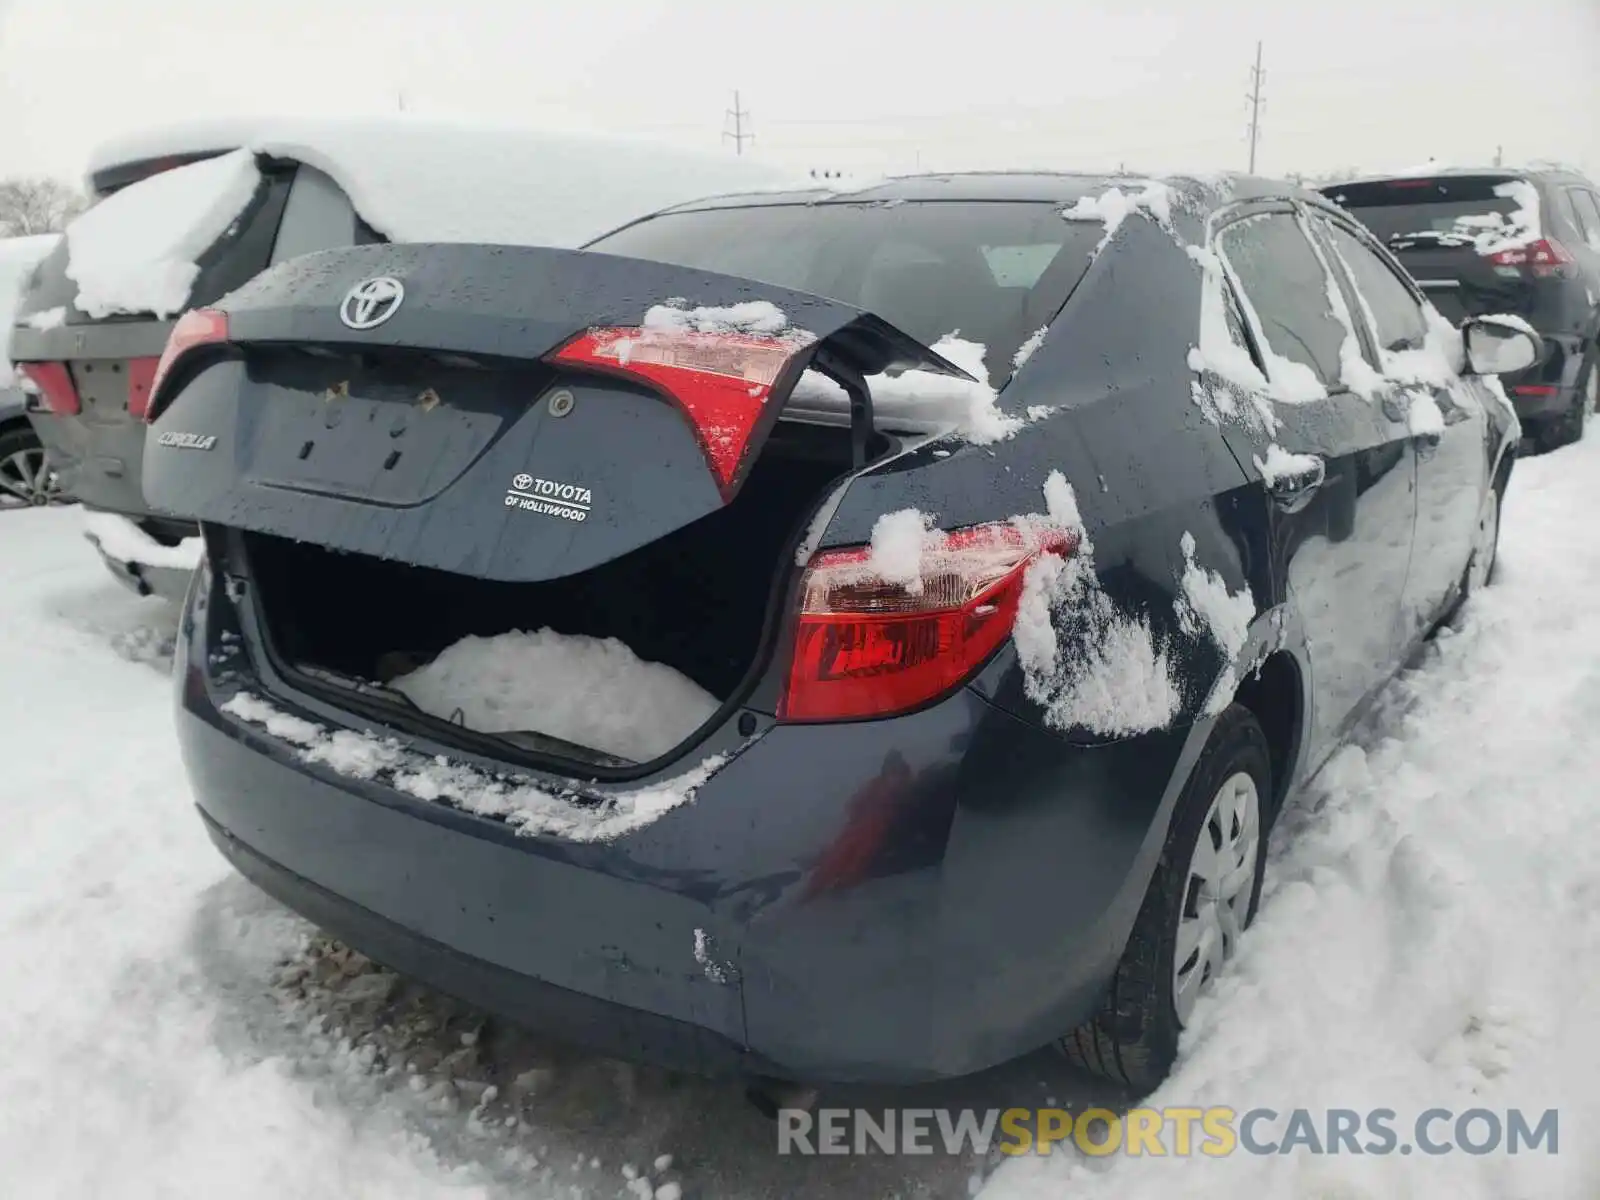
{"points": [[529, 493]]}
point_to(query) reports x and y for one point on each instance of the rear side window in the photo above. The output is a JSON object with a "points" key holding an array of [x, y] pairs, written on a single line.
{"points": [[994, 271], [1284, 282], [1450, 210], [317, 216], [1394, 312], [1587, 211], [241, 253]]}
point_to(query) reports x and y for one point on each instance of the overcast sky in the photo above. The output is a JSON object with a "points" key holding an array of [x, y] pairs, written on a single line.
{"points": [[857, 86]]}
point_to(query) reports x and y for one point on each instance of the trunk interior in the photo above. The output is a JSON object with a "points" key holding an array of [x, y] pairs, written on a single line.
{"points": [[696, 600]]}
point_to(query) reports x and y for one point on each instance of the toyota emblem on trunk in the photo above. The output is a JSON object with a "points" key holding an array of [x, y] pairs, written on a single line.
{"points": [[372, 302]]}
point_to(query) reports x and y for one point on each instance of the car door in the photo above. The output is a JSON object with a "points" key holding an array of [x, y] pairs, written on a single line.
{"points": [[1342, 531], [1451, 449]]}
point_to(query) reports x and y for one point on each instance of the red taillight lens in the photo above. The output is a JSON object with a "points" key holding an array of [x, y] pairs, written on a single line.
{"points": [[53, 381], [721, 380], [868, 647], [141, 381], [1544, 257], [197, 327], [1535, 389]]}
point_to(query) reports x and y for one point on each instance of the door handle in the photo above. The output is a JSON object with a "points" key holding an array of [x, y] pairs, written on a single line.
{"points": [[1292, 490]]}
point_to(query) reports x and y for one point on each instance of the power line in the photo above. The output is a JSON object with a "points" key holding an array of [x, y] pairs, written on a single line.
{"points": [[739, 116], [1258, 79]]}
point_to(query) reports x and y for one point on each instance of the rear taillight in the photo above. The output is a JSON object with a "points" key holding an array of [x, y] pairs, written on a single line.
{"points": [[1544, 257], [197, 327], [721, 380], [141, 380], [869, 647], [1535, 389], [53, 381]]}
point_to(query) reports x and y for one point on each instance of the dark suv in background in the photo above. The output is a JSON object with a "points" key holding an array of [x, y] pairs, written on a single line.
{"points": [[1520, 242]]}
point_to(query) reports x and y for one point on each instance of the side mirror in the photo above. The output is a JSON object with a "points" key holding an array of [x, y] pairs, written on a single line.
{"points": [[1500, 345]]}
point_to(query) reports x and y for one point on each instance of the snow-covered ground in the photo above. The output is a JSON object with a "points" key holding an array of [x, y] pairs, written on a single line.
{"points": [[1430, 938]]}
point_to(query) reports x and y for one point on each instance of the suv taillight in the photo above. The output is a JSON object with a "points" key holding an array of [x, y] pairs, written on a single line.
{"points": [[1544, 258], [868, 647], [197, 327], [53, 381]]}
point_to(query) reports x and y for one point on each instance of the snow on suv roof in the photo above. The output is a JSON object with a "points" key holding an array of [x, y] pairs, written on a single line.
{"points": [[428, 180]]}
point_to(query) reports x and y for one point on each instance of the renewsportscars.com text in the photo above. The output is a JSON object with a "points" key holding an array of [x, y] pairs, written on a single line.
{"points": [[1160, 1132]]}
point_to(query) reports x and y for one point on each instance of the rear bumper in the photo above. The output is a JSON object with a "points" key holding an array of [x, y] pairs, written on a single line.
{"points": [[615, 1029], [134, 569], [1555, 378], [99, 463], [892, 901]]}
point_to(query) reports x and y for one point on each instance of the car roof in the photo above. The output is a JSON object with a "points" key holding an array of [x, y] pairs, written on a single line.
{"points": [[1551, 173], [1054, 187]]}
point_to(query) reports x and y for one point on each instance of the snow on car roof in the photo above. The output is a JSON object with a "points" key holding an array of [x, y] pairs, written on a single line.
{"points": [[421, 179], [18, 256]]}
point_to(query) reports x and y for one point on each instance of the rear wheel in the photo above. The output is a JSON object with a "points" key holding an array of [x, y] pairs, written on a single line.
{"points": [[1203, 895], [26, 480]]}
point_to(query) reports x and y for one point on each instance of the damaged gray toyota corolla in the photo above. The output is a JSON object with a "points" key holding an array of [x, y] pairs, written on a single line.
{"points": [[971, 707]]}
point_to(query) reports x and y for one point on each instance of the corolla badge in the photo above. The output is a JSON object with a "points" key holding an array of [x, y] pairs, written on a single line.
{"points": [[372, 302], [187, 441]]}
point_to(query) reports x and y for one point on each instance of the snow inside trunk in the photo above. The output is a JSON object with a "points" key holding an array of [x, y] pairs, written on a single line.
{"points": [[589, 691], [613, 666]]}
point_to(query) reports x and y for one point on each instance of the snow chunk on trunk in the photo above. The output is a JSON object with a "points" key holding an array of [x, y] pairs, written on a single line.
{"points": [[1086, 664], [898, 540], [122, 540], [136, 251], [593, 692], [751, 316]]}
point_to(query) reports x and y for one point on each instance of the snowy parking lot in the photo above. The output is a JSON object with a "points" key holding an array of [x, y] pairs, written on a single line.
{"points": [[1429, 938]]}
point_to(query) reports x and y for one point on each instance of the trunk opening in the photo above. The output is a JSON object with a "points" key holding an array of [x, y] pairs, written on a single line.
{"points": [[697, 601]]}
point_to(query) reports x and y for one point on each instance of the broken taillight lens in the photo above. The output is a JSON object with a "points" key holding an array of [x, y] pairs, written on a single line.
{"points": [[722, 381], [53, 381], [197, 327], [870, 647]]}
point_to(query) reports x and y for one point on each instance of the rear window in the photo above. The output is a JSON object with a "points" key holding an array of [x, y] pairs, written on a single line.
{"points": [[241, 253], [994, 271], [1440, 211]]}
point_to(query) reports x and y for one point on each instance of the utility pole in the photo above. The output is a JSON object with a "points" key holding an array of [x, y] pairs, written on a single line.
{"points": [[1258, 78], [739, 116]]}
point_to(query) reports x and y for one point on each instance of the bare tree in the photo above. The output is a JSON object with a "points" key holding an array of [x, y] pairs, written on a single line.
{"points": [[29, 206]]}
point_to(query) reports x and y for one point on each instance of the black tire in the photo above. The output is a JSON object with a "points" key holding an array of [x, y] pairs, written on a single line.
{"points": [[1464, 590], [1133, 1039]]}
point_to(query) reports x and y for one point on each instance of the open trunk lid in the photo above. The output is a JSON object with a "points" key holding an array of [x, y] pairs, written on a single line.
{"points": [[511, 413]]}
